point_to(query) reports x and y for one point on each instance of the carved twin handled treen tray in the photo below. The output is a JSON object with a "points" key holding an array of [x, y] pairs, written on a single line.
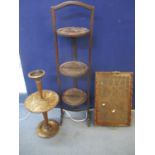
{"points": [[113, 98]]}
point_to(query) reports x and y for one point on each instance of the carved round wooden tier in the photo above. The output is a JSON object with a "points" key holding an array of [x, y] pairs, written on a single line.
{"points": [[73, 68], [74, 97], [35, 103], [73, 31]]}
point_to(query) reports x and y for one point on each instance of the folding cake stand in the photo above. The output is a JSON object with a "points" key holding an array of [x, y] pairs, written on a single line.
{"points": [[73, 97], [41, 102]]}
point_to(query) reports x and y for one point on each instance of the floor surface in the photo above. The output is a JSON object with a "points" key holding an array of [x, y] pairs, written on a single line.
{"points": [[75, 138]]}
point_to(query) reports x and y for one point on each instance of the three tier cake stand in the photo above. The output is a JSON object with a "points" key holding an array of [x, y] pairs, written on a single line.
{"points": [[73, 97]]}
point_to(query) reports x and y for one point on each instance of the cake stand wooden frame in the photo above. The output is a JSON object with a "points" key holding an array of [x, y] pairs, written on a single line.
{"points": [[75, 69]]}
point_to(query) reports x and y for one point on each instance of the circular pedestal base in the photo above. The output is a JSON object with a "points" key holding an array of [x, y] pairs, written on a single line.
{"points": [[45, 131]]}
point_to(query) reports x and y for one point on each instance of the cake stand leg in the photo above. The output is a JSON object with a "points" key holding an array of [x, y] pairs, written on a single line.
{"points": [[74, 48], [62, 114], [88, 100], [47, 128], [88, 118]]}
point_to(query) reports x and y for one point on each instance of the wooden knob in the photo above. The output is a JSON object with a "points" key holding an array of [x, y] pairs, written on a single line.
{"points": [[113, 111], [103, 104]]}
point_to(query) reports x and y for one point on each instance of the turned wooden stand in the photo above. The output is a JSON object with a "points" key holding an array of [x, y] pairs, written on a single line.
{"points": [[41, 102]]}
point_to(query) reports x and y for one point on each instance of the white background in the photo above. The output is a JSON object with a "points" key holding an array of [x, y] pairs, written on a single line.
{"points": [[145, 77]]}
